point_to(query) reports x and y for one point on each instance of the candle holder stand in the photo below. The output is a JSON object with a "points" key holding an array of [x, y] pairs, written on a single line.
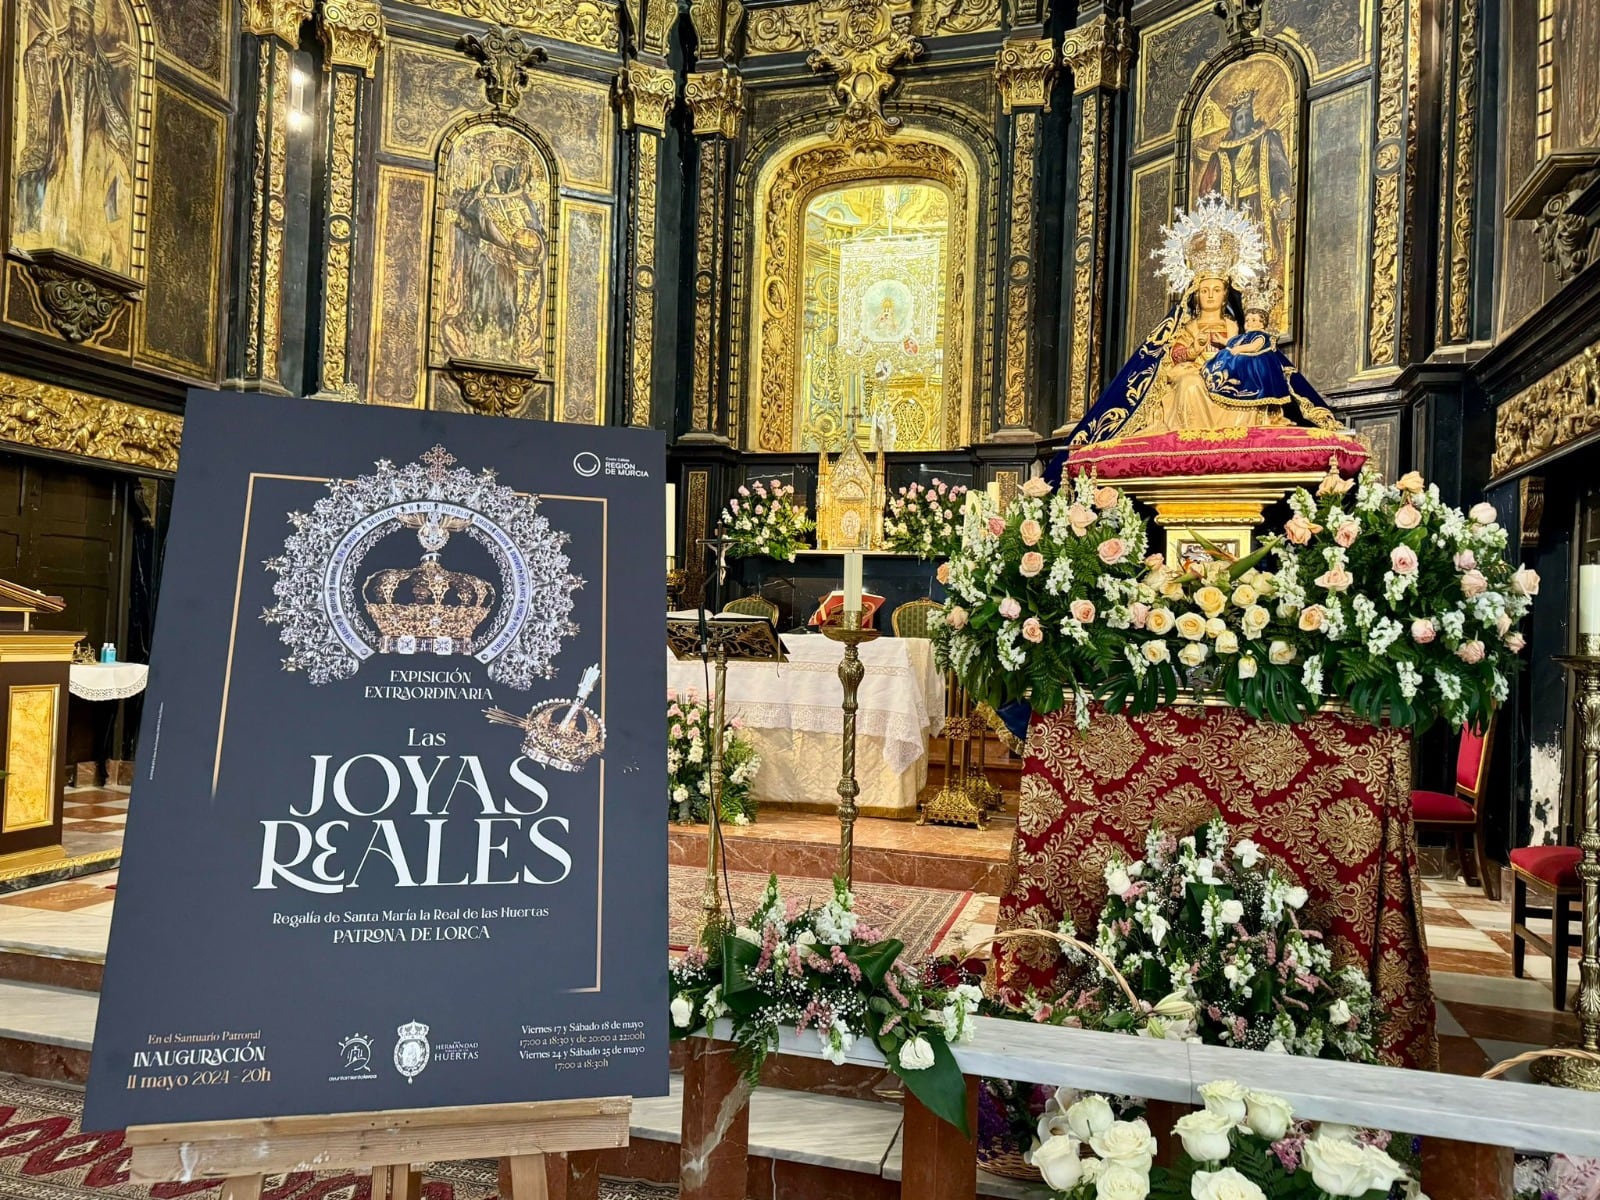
{"points": [[850, 632], [1584, 1073], [962, 799]]}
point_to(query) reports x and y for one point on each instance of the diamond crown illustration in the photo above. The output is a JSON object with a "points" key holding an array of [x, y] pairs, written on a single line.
{"points": [[427, 607], [564, 734]]}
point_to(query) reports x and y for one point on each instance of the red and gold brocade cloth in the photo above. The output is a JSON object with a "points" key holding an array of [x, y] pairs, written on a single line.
{"points": [[1260, 450], [1329, 799]]}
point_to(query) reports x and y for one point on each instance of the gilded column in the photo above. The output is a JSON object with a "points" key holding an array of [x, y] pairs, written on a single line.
{"points": [[1458, 164], [1393, 183], [1098, 54], [648, 94], [716, 100], [352, 36], [272, 29], [1025, 69]]}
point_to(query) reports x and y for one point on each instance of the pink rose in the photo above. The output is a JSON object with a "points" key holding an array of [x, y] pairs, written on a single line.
{"points": [[1312, 618], [1483, 513], [1010, 609], [1299, 530], [1113, 550], [956, 618], [1036, 488], [1347, 533], [1032, 630], [1404, 560], [1138, 614], [733, 505], [1525, 582], [1515, 642], [1155, 561], [1473, 584], [1407, 516], [1105, 497], [1335, 580], [1032, 563], [1083, 611], [943, 573], [672, 693], [1423, 631], [997, 526], [1465, 561], [1470, 652], [736, 723], [1080, 518], [743, 491], [1031, 532]]}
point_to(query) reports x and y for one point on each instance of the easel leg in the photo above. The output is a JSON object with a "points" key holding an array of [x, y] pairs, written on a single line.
{"points": [[396, 1183], [522, 1177], [244, 1187]]}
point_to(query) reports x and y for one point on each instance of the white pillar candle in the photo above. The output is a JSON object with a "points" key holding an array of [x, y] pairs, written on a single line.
{"points": [[1589, 599], [672, 521], [994, 493], [852, 581]]}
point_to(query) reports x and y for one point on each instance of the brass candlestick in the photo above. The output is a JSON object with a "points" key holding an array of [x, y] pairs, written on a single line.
{"points": [[849, 632], [711, 898], [1584, 1073]]}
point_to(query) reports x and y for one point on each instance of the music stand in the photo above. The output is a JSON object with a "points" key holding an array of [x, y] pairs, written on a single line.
{"points": [[724, 638]]}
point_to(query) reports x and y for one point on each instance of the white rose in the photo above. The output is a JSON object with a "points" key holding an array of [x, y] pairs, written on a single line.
{"points": [[1280, 654], [1158, 928], [1057, 1160], [1247, 667], [745, 934], [1267, 1115], [1255, 619], [1339, 1012], [1275, 1046], [1090, 1116], [1193, 654], [1231, 912], [1296, 897], [1121, 1182], [1226, 1184], [1205, 1135], [1126, 1142], [1332, 1131], [1118, 880], [1226, 1097], [916, 1055], [1227, 642], [1343, 1168], [682, 1011], [1248, 853]]}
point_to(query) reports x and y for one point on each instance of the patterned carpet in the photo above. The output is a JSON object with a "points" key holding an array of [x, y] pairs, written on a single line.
{"points": [[44, 1155], [922, 918]]}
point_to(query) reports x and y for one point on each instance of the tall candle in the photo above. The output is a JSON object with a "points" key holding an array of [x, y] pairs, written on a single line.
{"points": [[993, 491], [852, 581], [672, 520], [1589, 599]]}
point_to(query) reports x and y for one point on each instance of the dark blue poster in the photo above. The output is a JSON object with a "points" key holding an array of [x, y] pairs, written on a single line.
{"points": [[396, 835]]}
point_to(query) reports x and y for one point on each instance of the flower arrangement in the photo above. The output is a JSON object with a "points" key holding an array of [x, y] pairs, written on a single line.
{"points": [[1381, 596], [689, 763], [820, 969], [1244, 1145], [766, 518], [925, 520], [1558, 1177]]}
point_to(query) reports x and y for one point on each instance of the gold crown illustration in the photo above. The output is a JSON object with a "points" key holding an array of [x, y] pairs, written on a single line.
{"points": [[563, 734], [427, 609]]}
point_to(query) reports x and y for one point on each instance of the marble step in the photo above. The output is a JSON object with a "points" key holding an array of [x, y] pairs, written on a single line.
{"points": [[46, 1032], [58, 949]]}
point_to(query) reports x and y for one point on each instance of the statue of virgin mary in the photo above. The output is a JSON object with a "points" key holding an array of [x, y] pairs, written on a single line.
{"points": [[1211, 364]]}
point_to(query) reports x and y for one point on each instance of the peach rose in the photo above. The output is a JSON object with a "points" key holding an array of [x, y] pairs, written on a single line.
{"points": [[1080, 518], [1403, 559], [1332, 485], [1299, 530], [1031, 532], [1312, 617], [1010, 609], [1032, 630], [1160, 621], [1191, 626], [1335, 580], [1113, 550], [1407, 516], [1470, 652], [1244, 595], [1423, 631], [1502, 624], [1411, 481], [1473, 584], [1515, 642], [1347, 533], [1138, 613], [1083, 611], [997, 526], [1032, 563], [1155, 561], [956, 617], [943, 573], [1105, 497], [1036, 488], [1525, 582]]}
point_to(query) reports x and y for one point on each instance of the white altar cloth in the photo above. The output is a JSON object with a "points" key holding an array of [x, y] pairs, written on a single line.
{"points": [[107, 681], [791, 712]]}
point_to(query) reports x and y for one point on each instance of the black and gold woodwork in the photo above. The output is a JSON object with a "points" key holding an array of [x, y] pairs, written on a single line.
{"points": [[34, 664]]}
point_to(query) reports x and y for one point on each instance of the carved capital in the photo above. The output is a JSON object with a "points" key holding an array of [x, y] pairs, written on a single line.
{"points": [[503, 57], [862, 41], [1025, 69], [647, 94], [79, 298], [659, 18], [53, 418], [352, 33], [1098, 54], [1565, 234], [715, 23], [500, 390], [716, 98], [281, 19], [1242, 18]]}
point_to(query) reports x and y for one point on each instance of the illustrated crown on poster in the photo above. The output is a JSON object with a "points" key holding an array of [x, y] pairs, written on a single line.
{"points": [[333, 617], [1214, 241], [564, 734]]}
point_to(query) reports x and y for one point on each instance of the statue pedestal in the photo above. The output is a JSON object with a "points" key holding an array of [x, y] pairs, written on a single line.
{"points": [[33, 735]]}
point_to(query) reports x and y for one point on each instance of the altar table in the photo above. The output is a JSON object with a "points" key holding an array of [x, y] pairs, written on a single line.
{"points": [[791, 713], [1329, 799]]}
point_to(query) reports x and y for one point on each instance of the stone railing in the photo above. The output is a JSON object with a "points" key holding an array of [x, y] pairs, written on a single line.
{"points": [[1469, 1126]]}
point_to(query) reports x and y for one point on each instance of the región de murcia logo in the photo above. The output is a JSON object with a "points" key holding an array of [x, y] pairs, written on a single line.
{"points": [[334, 615]]}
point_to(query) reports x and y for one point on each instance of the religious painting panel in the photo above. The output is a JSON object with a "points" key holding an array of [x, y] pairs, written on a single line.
{"points": [[180, 300], [1521, 278], [400, 286], [1243, 142], [1336, 239], [492, 264], [583, 327], [1172, 53], [876, 271], [83, 79], [1382, 436], [1152, 208], [1334, 35], [1577, 74], [194, 36]]}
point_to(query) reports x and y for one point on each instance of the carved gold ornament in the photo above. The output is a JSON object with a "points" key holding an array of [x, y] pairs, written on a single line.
{"points": [[862, 41], [352, 33], [1558, 409], [1098, 54], [1388, 168], [788, 28], [642, 328], [504, 58], [79, 298], [497, 390], [648, 95], [277, 18], [1456, 220], [1025, 69], [340, 217], [778, 30], [591, 23], [46, 417], [716, 98]]}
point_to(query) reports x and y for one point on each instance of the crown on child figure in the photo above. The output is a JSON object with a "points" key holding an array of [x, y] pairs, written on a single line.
{"points": [[1213, 241], [1262, 296]]}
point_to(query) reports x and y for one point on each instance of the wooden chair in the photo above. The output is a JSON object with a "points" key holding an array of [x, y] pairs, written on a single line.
{"points": [[753, 606], [914, 619], [1460, 813], [1551, 874]]}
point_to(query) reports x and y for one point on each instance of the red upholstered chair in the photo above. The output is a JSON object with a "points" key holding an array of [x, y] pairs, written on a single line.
{"points": [[833, 604], [1460, 813], [1551, 874]]}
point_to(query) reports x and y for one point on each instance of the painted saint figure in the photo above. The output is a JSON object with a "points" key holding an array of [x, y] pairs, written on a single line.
{"points": [[75, 170], [1250, 170], [498, 280]]}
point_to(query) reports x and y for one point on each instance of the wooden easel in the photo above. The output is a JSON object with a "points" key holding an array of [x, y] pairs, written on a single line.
{"points": [[390, 1143]]}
